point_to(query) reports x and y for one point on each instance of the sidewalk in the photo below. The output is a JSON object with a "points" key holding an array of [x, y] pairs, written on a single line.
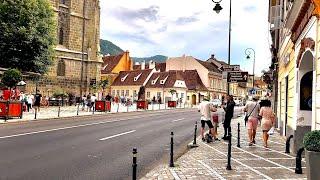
{"points": [[208, 161], [71, 111]]}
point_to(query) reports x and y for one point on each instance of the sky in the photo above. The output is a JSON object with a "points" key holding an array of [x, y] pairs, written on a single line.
{"points": [[189, 27]]}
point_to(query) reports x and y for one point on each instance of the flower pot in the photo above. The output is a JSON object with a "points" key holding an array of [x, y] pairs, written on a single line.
{"points": [[313, 162]]}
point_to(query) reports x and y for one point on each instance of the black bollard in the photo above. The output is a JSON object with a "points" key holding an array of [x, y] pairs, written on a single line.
{"points": [[134, 164], [93, 109], [238, 145], [288, 144], [229, 149], [59, 111], [171, 151], [194, 144], [118, 108], [78, 109], [35, 113], [298, 169]]}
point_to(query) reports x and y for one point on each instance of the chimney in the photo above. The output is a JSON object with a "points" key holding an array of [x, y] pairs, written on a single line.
{"points": [[212, 56], [152, 64], [143, 65]]}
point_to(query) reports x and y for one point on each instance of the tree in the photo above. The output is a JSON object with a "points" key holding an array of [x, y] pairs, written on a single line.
{"points": [[11, 78], [27, 38], [104, 84]]}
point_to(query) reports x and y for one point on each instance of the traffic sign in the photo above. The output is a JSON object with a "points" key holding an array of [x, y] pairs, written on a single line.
{"points": [[237, 76], [229, 68]]}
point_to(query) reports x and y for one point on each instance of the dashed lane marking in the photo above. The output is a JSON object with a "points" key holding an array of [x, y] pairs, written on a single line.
{"points": [[117, 135], [178, 120]]}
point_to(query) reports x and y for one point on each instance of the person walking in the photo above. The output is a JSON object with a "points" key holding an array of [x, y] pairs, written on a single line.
{"points": [[205, 109], [252, 109], [267, 121], [93, 101], [229, 110], [89, 102], [37, 101], [29, 102]]}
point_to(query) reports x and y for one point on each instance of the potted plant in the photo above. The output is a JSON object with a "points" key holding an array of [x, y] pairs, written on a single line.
{"points": [[311, 143]]}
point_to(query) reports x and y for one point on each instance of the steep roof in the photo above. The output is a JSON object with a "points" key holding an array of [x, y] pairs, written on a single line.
{"points": [[164, 79], [193, 80], [210, 66], [110, 62], [132, 78]]}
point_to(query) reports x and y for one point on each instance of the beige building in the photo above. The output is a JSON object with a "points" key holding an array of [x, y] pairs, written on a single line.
{"points": [[209, 74], [75, 55]]}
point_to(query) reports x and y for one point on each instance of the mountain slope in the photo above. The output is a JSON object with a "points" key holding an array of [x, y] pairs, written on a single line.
{"points": [[107, 47], [157, 58]]}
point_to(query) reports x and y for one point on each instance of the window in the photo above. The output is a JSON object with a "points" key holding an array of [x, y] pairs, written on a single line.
{"points": [[182, 95], [61, 35], [127, 93], [158, 94], [113, 92], [62, 1], [134, 93], [148, 94], [306, 92], [122, 92], [61, 69], [63, 25], [118, 92]]}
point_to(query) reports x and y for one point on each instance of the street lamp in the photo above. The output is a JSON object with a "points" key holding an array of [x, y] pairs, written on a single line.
{"points": [[217, 9], [248, 52]]}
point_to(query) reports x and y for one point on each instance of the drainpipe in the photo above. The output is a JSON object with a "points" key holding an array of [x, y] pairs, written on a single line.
{"points": [[82, 44]]}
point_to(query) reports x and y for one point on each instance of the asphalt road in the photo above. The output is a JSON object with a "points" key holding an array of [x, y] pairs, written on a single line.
{"points": [[96, 147]]}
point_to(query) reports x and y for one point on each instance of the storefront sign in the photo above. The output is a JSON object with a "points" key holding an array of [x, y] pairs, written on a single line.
{"points": [[235, 77]]}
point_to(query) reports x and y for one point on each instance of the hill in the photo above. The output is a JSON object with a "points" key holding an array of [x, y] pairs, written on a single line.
{"points": [[107, 47]]}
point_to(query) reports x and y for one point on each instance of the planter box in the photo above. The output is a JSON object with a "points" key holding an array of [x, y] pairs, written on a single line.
{"points": [[103, 106], [172, 104], [142, 105], [11, 109], [313, 162]]}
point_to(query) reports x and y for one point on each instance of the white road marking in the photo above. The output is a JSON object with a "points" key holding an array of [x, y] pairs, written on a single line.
{"points": [[117, 135], [174, 174], [212, 171], [70, 127], [252, 169], [277, 164], [178, 120]]}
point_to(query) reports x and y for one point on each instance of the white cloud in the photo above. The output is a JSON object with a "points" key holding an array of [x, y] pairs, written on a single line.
{"points": [[173, 28]]}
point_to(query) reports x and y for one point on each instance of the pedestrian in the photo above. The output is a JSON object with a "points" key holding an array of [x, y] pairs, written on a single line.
{"points": [[93, 101], [108, 97], [229, 110], [252, 109], [29, 102], [89, 102], [37, 101], [205, 109], [267, 121], [84, 102]]}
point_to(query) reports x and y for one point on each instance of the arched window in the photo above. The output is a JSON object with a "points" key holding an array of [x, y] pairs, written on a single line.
{"points": [[306, 92], [61, 36], [61, 70]]}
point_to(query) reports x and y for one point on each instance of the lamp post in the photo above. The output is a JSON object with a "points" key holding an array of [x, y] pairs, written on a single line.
{"points": [[217, 9], [248, 52]]}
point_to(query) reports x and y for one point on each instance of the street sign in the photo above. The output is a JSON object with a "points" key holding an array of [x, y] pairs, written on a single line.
{"points": [[229, 68], [237, 76]]}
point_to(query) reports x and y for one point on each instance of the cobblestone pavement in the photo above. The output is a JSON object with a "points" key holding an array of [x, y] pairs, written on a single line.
{"points": [[208, 161]]}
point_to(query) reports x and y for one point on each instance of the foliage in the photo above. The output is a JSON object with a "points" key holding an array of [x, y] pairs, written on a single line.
{"points": [[27, 31], [107, 47], [104, 83], [311, 141], [59, 93], [11, 78]]}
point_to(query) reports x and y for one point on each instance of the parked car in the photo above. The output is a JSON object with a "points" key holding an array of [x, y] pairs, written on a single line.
{"points": [[216, 102]]}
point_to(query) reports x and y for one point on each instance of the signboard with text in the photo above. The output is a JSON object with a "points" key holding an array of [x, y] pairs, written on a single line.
{"points": [[237, 76], [229, 68]]}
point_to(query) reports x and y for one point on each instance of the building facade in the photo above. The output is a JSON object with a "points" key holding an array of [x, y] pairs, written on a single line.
{"points": [[297, 47], [77, 60]]}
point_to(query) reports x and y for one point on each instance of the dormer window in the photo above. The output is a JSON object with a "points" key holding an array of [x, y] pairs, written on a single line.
{"points": [[155, 81], [164, 80], [104, 68], [124, 78], [136, 78]]}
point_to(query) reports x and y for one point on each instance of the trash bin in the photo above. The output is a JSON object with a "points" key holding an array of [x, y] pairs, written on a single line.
{"points": [[103, 106], [142, 104], [11, 109], [172, 104]]}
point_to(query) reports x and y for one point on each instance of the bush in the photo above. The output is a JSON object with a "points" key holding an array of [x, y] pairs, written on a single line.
{"points": [[311, 141], [11, 77]]}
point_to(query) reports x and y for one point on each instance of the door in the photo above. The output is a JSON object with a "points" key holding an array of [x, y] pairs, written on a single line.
{"points": [[194, 99], [286, 108]]}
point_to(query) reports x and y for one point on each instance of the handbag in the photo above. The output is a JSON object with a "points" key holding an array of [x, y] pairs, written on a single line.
{"points": [[246, 118], [271, 131], [215, 118]]}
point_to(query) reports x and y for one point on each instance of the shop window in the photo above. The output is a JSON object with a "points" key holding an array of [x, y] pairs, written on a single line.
{"points": [[118, 92], [122, 93], [306, 92], [148, 94], [127, 93], [61, 69], [113, 92]]}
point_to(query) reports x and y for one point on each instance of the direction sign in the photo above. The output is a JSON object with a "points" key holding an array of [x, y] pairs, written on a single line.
{"points": [[229, 68], [237, 76]]}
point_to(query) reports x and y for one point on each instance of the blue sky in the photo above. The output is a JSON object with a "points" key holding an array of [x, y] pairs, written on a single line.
{"points": [[176, 27]]}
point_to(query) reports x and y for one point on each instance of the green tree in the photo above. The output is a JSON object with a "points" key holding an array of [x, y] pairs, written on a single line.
{"points": [[11, 78], [27, 39]]}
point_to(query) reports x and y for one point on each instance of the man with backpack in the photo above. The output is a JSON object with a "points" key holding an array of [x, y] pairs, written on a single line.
{"points": [[205, 109], [252, 110]]}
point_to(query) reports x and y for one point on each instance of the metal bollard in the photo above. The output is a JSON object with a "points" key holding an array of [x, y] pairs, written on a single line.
{"points": [[59, 111], [134, 164], [288, 144], [238, 145], [195, 135], [171, 151], [35, 113], [159, 106], [118, 108], [229, 151], [78, 109], [93, 109], [298, 169]]}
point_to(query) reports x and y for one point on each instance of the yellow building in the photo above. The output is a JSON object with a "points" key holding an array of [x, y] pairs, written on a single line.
{"points": [[295, 42], [113, 65]]}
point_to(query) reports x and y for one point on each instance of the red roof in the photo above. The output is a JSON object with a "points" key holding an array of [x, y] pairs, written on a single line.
{"points": [[164, 79], [193, 81], [132, 78], [110, 62]]}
